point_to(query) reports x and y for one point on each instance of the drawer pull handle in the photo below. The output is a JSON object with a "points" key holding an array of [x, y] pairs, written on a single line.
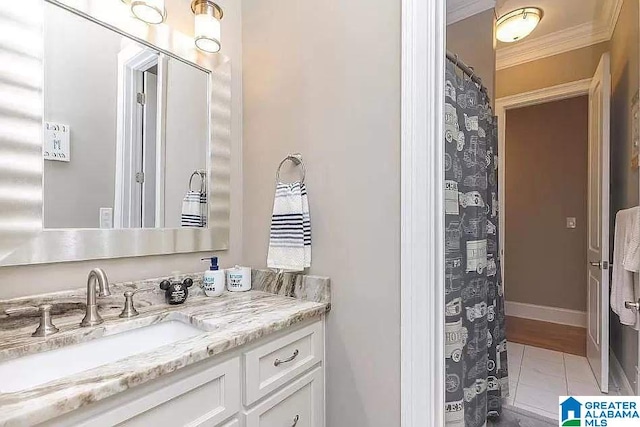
{"points": [[279, 362], [295, 421]]}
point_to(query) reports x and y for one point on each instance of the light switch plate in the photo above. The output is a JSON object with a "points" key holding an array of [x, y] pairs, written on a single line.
{"points": [[571, 222]]}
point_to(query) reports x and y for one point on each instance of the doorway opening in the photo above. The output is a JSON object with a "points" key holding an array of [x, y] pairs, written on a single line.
{"points": [[565, 125], [555, 225]]}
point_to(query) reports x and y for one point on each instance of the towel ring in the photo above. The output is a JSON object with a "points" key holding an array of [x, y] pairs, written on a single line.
{"points": [[202, 174], [296, 159]]}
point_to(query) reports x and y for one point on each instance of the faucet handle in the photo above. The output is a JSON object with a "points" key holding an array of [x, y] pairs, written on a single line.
{"points": [[129, 310], [46, 326]]}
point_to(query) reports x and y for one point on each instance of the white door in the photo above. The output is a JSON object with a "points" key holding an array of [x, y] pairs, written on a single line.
{"points": [[598, 225]]}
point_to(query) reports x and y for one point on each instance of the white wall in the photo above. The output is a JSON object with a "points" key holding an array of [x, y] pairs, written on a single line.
{"points": [[325, 81], [27, 280]]}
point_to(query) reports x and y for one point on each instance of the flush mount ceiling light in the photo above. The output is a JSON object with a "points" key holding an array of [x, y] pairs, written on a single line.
{"points": [[149, 11], [207, 25], [517, 24]]}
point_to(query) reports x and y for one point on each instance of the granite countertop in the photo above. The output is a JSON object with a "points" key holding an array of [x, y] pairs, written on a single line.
{"points": [[229, 321]]}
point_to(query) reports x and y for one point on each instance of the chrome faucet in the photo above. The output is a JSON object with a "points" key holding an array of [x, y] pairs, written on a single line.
{"points": [[92, 317]]}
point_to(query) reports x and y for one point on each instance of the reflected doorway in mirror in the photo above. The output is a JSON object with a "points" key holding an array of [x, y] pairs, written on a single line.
{"points": [[141, 72]]}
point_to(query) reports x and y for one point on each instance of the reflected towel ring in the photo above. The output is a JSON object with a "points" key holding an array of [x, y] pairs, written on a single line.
{"points": [[202, 174], [296, 159]]}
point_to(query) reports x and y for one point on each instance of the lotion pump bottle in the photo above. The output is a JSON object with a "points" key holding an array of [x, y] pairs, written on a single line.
{"points": [[213, 281]]}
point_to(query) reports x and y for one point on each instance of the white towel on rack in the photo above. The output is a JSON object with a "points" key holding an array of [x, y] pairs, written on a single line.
{"points": [[290, 233], [194, 210], [631, 259], [623, 287]]}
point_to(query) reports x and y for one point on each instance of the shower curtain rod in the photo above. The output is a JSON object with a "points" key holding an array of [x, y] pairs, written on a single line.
{"points": [[467, 70]]}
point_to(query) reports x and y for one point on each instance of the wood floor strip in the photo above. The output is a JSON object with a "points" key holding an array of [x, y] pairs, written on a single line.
{"points": [[552, 336]]}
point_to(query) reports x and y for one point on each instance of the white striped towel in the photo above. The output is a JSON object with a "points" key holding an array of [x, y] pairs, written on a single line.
{"points": [[194, 210], [290, 234], [306, 226]]}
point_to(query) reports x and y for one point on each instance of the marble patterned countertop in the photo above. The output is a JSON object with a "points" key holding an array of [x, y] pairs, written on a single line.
{"points": [[277, 301]]}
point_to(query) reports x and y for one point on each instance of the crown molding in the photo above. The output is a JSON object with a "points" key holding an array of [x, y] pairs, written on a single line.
{"points": [[457, 10], [610, 13], [551, 44], [571, 38]]}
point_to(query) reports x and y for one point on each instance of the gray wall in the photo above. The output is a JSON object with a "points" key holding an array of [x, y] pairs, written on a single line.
{"points": [[625, 73], [83, 96], [326, 82], [472, 40], [546, 181], [186, 134]]}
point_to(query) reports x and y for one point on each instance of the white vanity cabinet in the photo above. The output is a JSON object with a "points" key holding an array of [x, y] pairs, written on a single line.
{"points": [[277, 381]]}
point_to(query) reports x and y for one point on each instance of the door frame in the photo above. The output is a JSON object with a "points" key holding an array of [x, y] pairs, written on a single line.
{"points": [[422, 213], [525, 99], [131, 61], [637, 388]]}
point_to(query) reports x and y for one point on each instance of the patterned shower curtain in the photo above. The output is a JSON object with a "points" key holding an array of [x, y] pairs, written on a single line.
{"points": [[476, 345]]}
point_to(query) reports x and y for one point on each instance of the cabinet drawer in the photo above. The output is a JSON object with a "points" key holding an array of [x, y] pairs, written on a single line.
{"points": [[278, 362], [300, 404], [202, 400], [199, 395]]}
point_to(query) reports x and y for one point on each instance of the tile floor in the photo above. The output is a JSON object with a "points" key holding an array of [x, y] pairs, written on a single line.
{"points": [[538, 376]]}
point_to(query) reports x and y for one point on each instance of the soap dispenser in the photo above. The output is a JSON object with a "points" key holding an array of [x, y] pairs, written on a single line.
{"points": [[214, 278]]}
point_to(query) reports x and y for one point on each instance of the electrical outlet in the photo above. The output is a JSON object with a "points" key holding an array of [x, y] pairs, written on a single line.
{"points": [[106, 218]]}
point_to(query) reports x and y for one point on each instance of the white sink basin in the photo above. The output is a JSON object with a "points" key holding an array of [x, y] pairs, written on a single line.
{"points": [[40, 368]]}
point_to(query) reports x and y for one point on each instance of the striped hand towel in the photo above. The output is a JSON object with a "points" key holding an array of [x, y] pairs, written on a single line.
{"points": [[290, 239], [194, 210], [306, 226]]}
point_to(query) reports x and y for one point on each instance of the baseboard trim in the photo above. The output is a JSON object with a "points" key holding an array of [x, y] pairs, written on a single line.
{"points": [[619, 376], [543, 313]]}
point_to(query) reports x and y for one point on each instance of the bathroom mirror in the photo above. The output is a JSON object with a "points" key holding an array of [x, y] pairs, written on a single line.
{"points": [[126, 130], [133, 150]]}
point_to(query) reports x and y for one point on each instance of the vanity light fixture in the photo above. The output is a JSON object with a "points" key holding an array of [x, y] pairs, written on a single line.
{"points": [[518, 24], [149, 11], [207, 25]]}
